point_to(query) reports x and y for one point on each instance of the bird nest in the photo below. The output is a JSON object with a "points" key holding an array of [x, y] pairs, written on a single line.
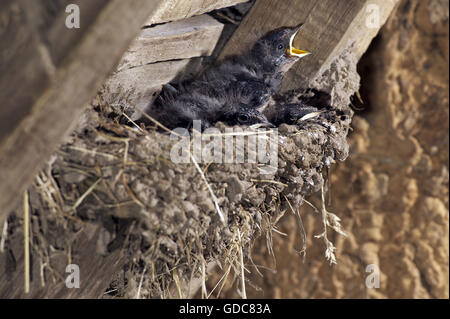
{"points": [[172, 221]]}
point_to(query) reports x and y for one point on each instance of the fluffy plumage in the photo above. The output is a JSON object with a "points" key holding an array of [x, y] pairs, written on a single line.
{"points": [[235, 91]]}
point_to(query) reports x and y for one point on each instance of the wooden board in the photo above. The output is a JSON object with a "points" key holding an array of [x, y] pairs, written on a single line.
{"points": [[172, 10], [141, 84], [329, 27], [193, 37], [159, 55]]}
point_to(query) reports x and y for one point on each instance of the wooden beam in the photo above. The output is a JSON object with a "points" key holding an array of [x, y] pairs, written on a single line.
{"points": [[193, 37], [141, 84], [140, 78], [43, 88], [329, 27], [172, 10]]}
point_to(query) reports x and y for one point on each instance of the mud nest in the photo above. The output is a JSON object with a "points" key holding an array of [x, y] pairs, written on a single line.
{"points": [[165, 216]]}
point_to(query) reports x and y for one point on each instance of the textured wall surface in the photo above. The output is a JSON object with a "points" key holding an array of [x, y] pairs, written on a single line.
{"points": [[392, 192]]}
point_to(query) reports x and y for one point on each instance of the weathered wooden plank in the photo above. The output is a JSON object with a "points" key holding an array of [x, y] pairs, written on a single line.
{"points": [[34, 41], [329, 27], [172, 10], [47, 20], [19, 53], [142, 83], [32, 138], [196, 36]]}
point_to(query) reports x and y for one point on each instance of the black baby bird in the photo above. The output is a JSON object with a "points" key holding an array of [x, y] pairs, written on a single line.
{"points": [[235, 91]]}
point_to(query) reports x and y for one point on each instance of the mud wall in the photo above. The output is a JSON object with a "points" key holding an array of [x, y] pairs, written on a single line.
{"points": [[392, 192]]}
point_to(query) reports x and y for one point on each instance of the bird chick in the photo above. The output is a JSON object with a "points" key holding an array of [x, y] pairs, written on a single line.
{"points": [[252, 78], [309, 101], [288, 113], [244, 115], [235, 91]]}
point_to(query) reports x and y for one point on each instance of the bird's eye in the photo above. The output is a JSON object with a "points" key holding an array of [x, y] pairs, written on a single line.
{"points": [[280, 47], [243, 118]]}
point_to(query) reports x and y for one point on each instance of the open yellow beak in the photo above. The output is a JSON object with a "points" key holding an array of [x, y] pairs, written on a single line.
{"points": [[296, 52]]}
